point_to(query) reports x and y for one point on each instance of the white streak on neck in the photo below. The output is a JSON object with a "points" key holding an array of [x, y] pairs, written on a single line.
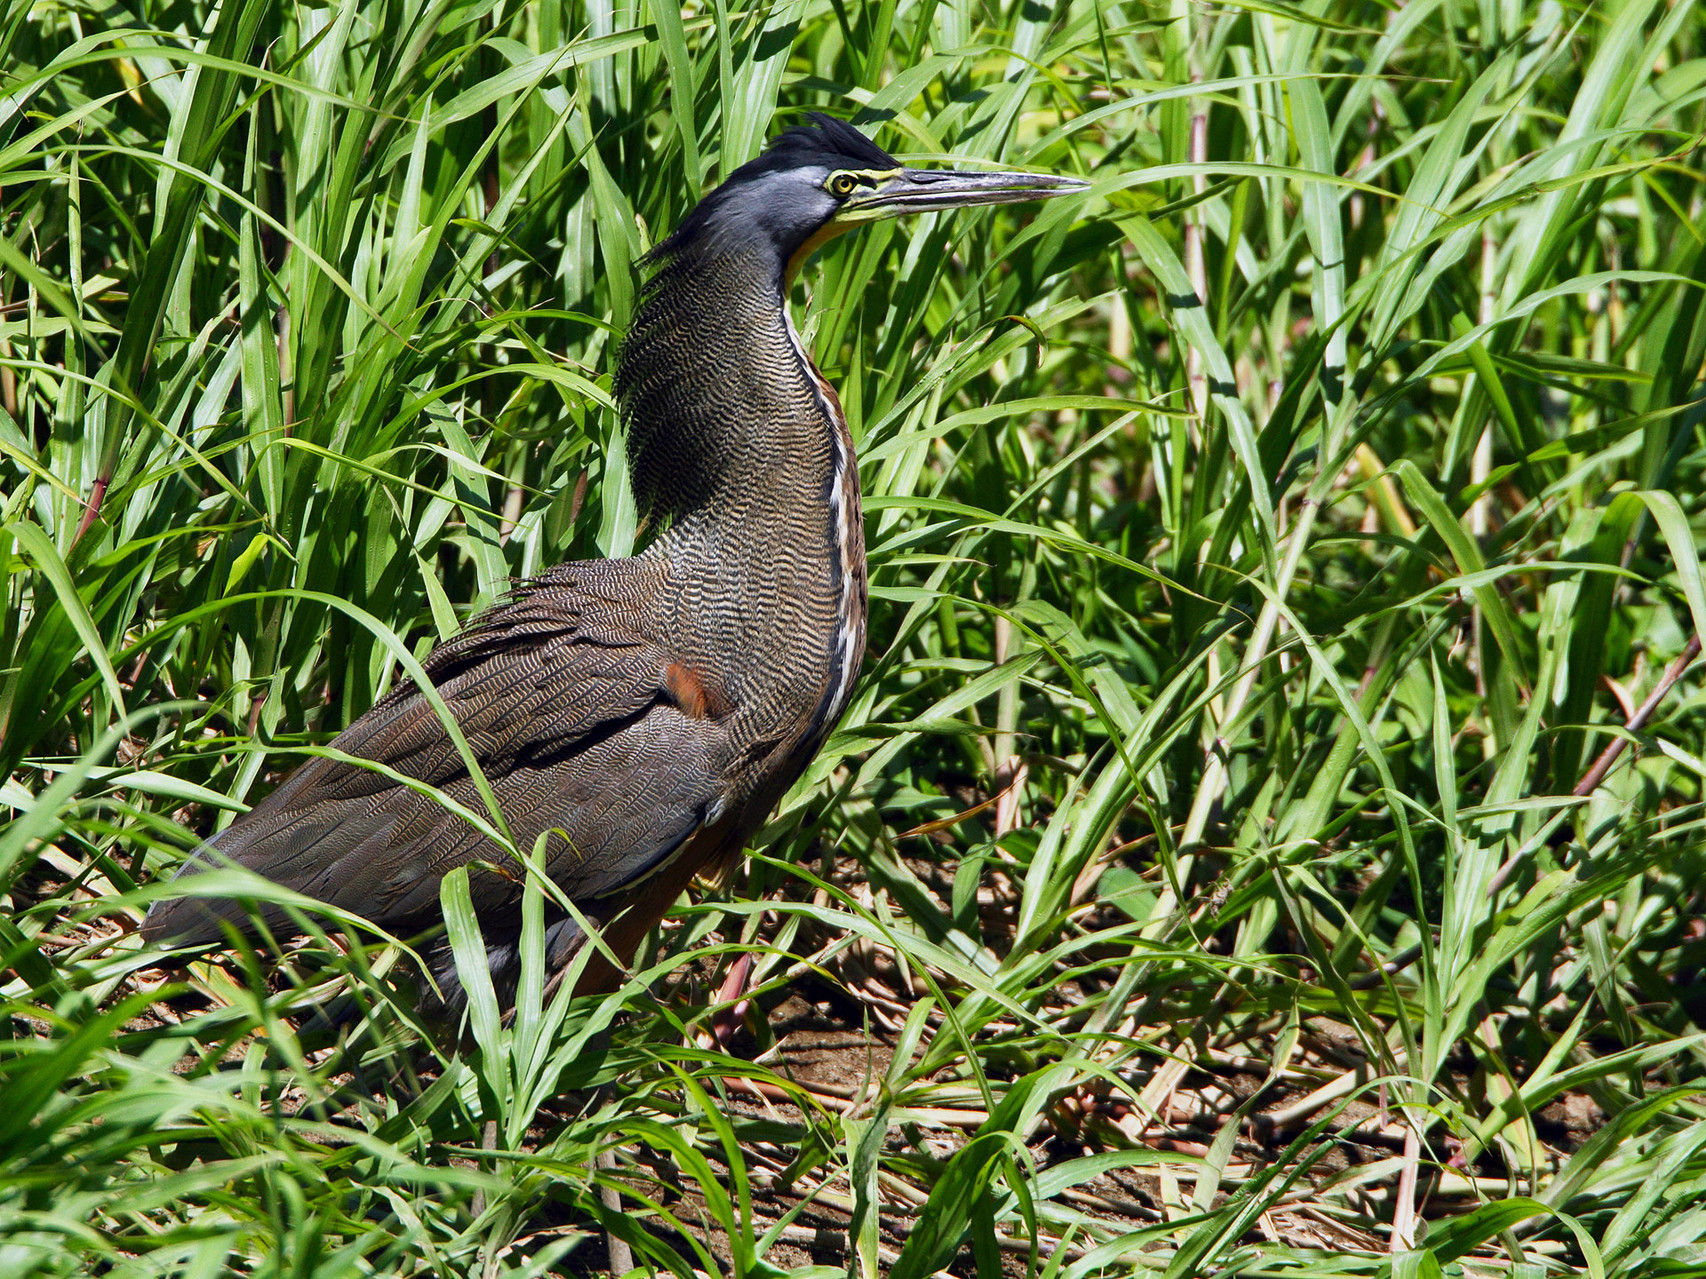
{"points": [[847, 627]]}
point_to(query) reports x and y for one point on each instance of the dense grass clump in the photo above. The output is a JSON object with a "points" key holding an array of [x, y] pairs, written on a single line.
{"points": [[1267, 834]]}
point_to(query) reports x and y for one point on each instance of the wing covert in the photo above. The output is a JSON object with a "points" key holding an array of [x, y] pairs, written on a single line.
{"points": [[572, 714]]}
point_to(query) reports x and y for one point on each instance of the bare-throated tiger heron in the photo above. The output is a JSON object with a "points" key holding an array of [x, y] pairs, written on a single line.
{"points": [[646, 712]]}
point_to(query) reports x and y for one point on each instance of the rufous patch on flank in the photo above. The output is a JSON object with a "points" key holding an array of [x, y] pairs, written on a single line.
{"points": [[695, 698]]}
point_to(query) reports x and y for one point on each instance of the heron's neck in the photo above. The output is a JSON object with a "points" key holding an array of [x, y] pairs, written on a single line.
{"points": [[729, 430]]}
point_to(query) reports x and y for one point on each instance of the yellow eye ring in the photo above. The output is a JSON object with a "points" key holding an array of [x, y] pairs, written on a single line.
{"points": [[843, 185]]}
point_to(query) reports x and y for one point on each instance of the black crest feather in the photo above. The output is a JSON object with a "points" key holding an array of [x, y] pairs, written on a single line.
{"points": [[826, 141]]}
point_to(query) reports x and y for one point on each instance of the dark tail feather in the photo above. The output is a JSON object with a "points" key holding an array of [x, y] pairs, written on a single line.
{"points": [[563, 938]]}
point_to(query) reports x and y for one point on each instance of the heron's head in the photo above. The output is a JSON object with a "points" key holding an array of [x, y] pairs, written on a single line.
{"points": [[820, 180]]}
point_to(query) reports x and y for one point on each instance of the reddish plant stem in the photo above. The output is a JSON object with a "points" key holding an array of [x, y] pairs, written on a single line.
{"points": [[1609, 756], [92, 508]]}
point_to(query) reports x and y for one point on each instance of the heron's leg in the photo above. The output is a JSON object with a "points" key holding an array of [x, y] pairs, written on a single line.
{"points": [[732, 1005]]}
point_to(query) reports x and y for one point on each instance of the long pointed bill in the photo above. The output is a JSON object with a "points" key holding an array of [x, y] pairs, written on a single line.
{"points": [[927, 190]]}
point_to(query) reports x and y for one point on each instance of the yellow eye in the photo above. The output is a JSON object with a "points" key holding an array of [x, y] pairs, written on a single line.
{"points": [[843, 185]]}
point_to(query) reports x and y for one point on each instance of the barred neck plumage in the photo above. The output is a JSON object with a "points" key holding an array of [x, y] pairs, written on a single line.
{"points": [[726, 417], [738, 447]]}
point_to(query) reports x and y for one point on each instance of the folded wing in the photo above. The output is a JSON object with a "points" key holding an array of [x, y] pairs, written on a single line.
{"points": [[574, 717]]}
